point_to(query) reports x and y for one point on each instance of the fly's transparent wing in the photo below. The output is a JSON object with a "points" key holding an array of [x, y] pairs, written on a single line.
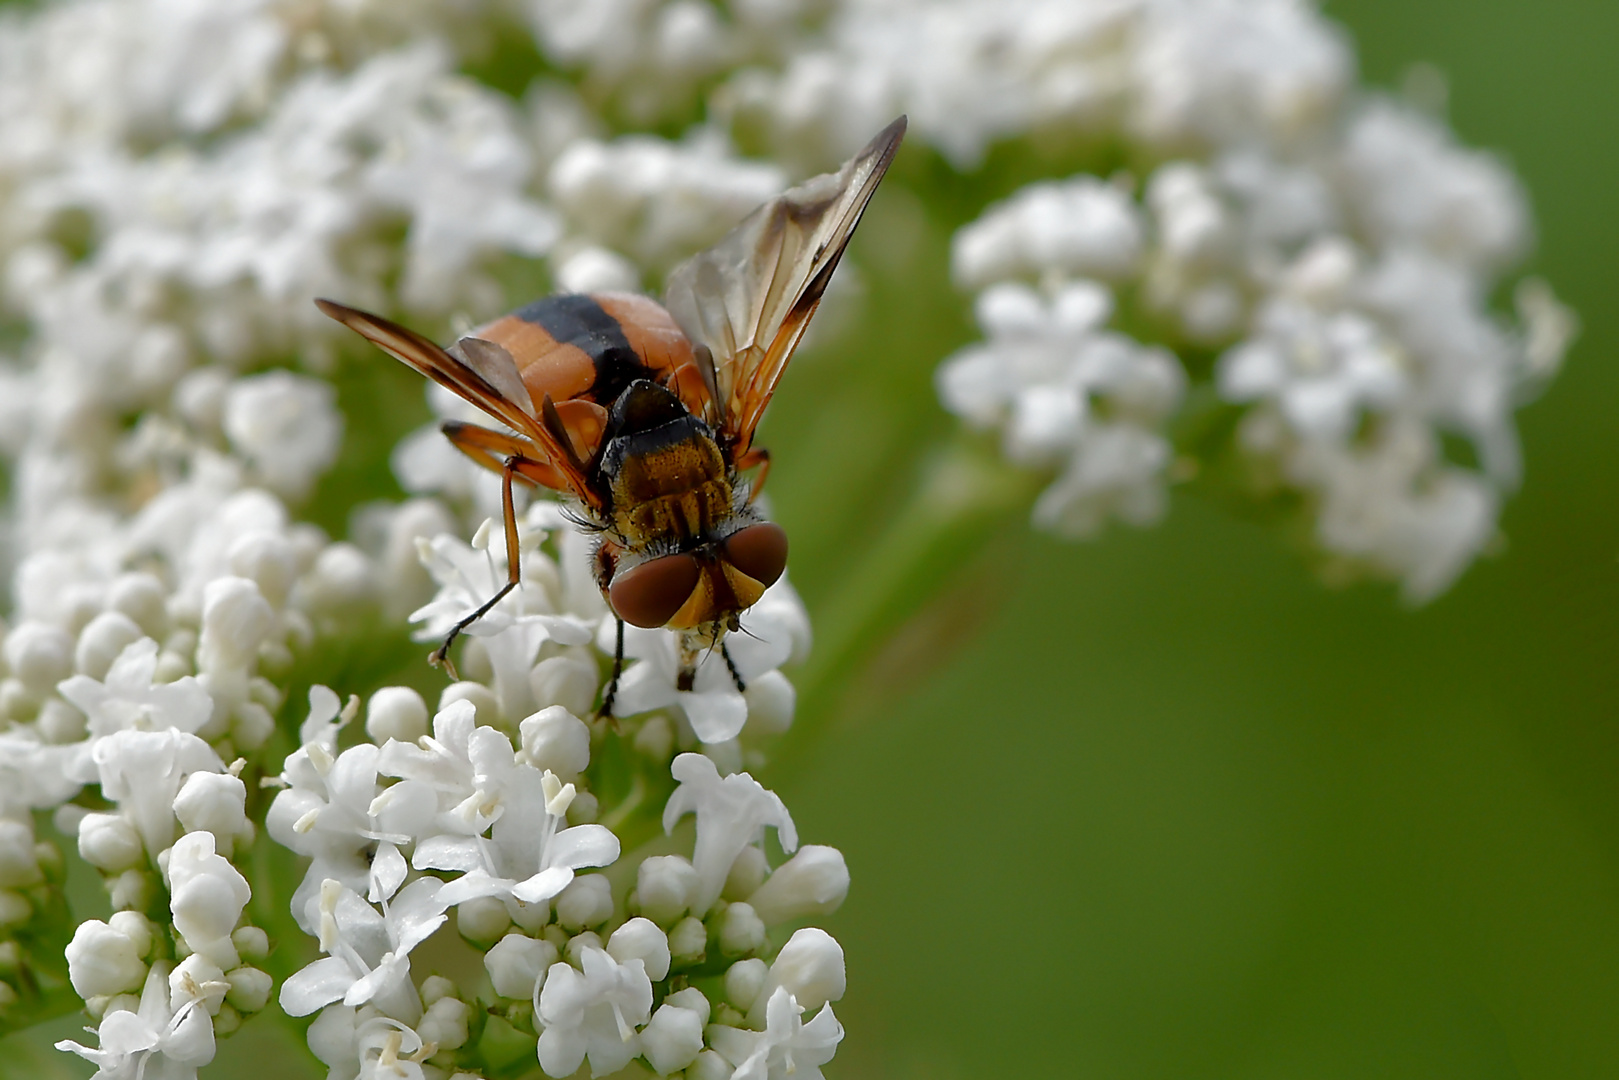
{"points": [[748, 299]]}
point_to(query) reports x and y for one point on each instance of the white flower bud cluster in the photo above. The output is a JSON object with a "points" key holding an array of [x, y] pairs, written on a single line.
{"points": [[143, 684]]}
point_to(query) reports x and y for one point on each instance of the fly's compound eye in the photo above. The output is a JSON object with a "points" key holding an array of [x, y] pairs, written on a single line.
{"points": [[759, 551], [649, 595]]}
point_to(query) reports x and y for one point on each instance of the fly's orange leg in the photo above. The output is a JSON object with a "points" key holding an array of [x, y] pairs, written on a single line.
{"points": [[493, 449], [441, 656], [759, 456]]}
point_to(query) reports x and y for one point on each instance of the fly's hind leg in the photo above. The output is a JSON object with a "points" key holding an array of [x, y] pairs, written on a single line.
{"points": [[514, 572]]}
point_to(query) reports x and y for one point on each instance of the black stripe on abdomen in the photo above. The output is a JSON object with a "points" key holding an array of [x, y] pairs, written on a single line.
{"points": [[576, 319]]}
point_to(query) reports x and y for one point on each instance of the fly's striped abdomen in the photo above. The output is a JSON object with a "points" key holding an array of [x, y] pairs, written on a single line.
{"points": [[584, 351]]}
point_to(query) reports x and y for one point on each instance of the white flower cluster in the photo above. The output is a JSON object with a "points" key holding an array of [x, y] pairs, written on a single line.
{"points": [[1331, 253], [599, 966], [180, 177]]}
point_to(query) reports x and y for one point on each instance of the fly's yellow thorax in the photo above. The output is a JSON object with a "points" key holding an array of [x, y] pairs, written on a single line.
{"points": [[675, 491]]}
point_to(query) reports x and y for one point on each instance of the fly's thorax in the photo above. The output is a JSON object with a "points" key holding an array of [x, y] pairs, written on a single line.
{"points": [[668, 485]]}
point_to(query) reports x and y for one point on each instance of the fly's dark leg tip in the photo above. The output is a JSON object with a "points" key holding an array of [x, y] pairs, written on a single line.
{"points": [[736, 676], [440, 656]]}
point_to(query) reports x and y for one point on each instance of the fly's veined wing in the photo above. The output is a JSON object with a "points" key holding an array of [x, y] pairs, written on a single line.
{"points": [[748, 298], [480, 378]]}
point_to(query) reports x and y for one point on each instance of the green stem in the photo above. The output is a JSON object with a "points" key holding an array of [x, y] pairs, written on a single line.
{"points": [[964, 498]]}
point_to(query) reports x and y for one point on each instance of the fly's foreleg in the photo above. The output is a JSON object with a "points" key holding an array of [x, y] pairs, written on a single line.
{"points": [[606, 709], [514, 572], [730, 665]]}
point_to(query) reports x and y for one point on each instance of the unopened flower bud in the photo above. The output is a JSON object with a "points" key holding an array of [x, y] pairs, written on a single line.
{"points": [[584, 809], [565, 681], [515, 964], [206, 896], [445, 1023], [709, 1066], [108, 842], [673, 1038], [253, 725], [226, 1021], [815, 881], [396, 712], [196, 978], [690, 998], [99, 644], [771, 700], [745, 981], [100, 960], [143, 598], [131, 890], [664, 885], [267, 559], [17, 702], [656, 739], [39, 655], [640, 939], [482, 920], [688, 942], [747, 873], [810, 966], [14, 908], [134, 926], [342, 581], [435, 987], [249, 989], [60, 723], [587, 901], [486, 707], [235, 621], [251, 942], [741, 931], [555, 739], [19, 867], [574, 951], [214, 802]]}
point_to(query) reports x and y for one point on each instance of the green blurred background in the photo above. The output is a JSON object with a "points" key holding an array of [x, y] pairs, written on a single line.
{"points": [[1180, 811], [1162, 805]]}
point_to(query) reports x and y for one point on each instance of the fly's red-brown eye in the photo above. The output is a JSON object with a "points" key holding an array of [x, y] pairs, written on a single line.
{"points": [[759, 551], [648, 595]]}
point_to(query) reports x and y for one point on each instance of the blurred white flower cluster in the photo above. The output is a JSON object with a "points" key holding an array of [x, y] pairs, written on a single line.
{"points": [[1323, 256]]}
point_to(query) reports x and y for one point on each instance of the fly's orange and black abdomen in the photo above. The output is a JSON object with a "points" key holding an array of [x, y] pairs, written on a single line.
{"points": [[625, 385], [584, 351]]}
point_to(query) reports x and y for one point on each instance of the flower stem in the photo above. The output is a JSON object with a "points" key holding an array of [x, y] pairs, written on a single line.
{"points": [[962, 500]]}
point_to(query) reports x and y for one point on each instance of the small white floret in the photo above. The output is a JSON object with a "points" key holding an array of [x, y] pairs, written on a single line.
{"points": [[516, 963], [814, 881], [641, 939]]}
